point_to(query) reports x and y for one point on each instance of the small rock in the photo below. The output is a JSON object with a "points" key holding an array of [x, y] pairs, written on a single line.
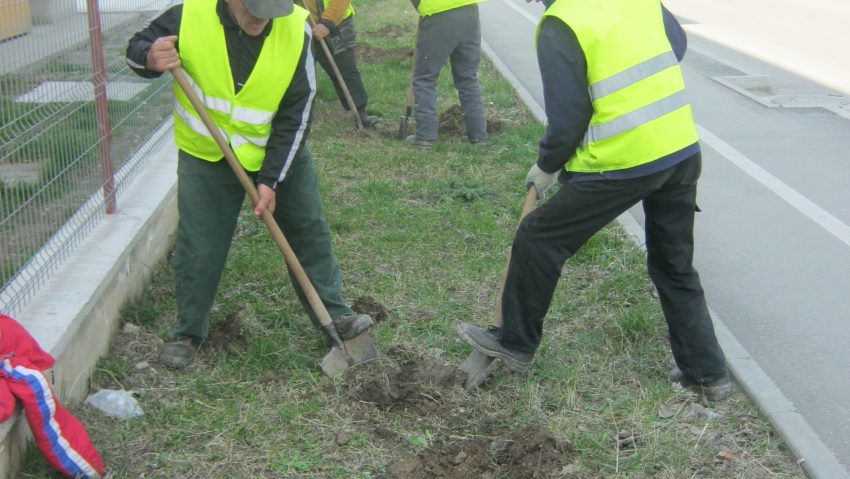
{"points": [[143, 365], [130, 328], [570, 470], [384, 432], [461, 456], [666, 411], [498, 446], [342, 438]]}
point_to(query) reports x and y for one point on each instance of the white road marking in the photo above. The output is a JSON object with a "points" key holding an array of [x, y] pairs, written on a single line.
{"points": [[791, 196]]}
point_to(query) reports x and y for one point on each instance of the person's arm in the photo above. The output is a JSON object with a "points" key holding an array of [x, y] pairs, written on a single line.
{"points": [[164, 25], [290, 125], [675, 33], [334, 13], [563, 68]]}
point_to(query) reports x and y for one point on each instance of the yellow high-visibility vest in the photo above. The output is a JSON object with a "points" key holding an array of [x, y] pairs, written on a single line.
{"points": [[640, 109], [430, 7], [244, 119]]}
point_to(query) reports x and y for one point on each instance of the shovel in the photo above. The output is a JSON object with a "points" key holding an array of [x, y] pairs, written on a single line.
{"points": [[359, 121], [478, 365], [343, 354], [404, 125]]}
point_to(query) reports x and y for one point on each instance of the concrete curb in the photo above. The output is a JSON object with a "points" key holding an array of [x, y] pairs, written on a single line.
{"points": [[814, 457]]}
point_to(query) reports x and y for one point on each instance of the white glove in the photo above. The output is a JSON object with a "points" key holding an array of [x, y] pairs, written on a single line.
{"points": [[540, 179]]}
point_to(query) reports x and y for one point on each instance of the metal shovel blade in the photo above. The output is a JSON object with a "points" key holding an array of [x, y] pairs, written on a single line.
{"points": [[357, 351], [477, 367], [404, 127]]}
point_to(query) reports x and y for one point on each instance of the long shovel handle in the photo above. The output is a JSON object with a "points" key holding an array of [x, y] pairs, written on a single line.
{"points": [[291, 260], [339, 78], [530, 200]]}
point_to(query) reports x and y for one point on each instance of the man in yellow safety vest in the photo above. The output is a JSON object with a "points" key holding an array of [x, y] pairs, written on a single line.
{"points": [[620, 131], [250, 62]]}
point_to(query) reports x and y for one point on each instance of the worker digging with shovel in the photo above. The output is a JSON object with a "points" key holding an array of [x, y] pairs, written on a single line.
{"points": [[250, 63], [619, 131]]}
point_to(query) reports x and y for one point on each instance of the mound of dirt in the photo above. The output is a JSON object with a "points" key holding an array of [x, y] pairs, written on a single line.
{"points": [[530, 452], [417, 386], [401, 380], [367, 53], [451, 122], [368, 305]]}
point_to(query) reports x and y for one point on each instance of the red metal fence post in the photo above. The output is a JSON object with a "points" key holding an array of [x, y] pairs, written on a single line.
{"points": [[100, 79]]}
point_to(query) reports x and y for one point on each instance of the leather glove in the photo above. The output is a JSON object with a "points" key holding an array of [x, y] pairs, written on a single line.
{"points": [[540, 179]]}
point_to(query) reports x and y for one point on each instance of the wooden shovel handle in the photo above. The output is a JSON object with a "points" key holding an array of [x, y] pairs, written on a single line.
{"points": [[338, 76], [530, 200], [291, 260]]}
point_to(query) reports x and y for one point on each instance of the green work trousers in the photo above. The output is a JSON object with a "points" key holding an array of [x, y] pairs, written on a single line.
{"points": [[209, 199]]}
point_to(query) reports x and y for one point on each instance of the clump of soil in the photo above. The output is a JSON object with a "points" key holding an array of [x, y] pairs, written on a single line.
{"points": [[530, 452], [402, 380], [229, 333], [451, 122], [392, 31], [367, 53], [368, 305], [405, 387]]}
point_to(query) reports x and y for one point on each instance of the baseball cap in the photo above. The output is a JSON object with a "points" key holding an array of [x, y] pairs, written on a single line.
{"points": [[268, 8]]}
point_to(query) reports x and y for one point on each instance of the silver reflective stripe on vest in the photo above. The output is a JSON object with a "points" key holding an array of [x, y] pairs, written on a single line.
{"points": [[240, 140], [252, 117], [633, 75], [211, 102], [195, 123], [638, 117]]}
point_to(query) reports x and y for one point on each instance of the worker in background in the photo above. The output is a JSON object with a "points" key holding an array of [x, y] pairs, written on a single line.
{"points": [[448, 30], [619, 131], [334, 24]]}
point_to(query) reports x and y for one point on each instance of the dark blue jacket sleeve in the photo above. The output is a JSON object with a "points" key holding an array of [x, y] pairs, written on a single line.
{"points": [[563, 68]]}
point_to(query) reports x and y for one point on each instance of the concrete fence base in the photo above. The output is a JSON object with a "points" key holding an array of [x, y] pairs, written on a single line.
{"points": [[75, 313]]}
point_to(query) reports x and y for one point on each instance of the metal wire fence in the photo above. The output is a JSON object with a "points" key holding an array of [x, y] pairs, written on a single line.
{"points": [[75, 127]]}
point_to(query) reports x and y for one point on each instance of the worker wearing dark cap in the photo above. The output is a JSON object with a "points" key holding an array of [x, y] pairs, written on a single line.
{"points": [[250, 62]]}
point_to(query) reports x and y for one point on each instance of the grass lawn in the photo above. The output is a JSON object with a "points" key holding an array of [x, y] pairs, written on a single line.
{"points": [[422, 238]]}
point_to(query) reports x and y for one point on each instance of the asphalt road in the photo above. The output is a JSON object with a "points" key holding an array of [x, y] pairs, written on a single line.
{"points": [[769, 83]]}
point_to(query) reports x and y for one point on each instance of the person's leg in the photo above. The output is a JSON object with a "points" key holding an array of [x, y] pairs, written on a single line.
{"points": [[545, 239], [465, 60], [299, 213], [342, 45], [670, 246], [434, 44], [209, 199]]}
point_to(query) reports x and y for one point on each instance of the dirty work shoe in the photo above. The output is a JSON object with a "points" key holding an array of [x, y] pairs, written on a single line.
{"points": [[716, 390], [369, 121], [487, 342], [352, 325], [478, 141], [178, 353], [413, 140]]}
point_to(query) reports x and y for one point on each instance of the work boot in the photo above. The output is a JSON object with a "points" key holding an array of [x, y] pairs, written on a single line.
{"points": [[419, 142], [352, 325], [716, 390], [487, 342], [179, 353], [369, 121]]}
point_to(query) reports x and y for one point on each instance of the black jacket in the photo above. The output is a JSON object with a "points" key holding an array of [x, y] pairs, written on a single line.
{"points": [[290, 126]]}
